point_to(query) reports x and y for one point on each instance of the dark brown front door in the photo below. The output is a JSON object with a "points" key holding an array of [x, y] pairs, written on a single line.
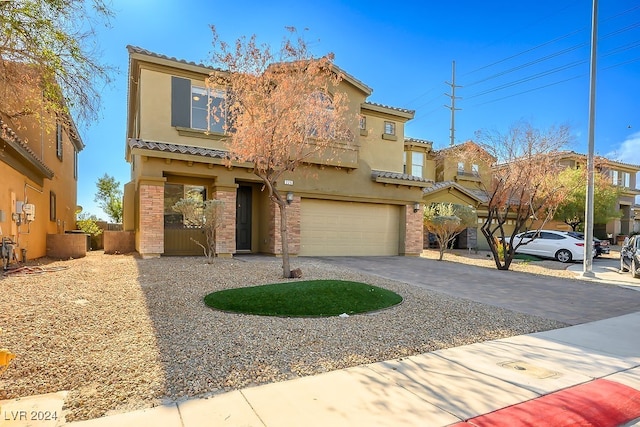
{"points": [[243, 218]]}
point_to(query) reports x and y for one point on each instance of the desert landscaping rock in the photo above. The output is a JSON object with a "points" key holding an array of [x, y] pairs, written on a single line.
{"points": [[121, 333]]}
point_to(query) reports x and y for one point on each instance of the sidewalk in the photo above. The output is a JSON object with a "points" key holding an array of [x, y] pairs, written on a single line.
{"points": [[607, 271], [593, 367]]}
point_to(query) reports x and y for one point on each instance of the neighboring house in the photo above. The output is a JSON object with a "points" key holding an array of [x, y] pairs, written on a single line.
{"points": [[361, 203], [622, 175], [462, 182], [38, 188], [457, 181]]}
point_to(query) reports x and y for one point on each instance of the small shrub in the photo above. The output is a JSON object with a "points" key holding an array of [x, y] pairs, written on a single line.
{"points": [[88, 224]]}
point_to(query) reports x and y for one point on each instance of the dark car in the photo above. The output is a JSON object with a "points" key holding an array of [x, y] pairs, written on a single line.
{"points": [[630, 257], [602, 246]]}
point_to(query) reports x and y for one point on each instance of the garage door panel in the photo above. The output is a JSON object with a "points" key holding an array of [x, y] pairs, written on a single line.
{"points": [[348, 228]]}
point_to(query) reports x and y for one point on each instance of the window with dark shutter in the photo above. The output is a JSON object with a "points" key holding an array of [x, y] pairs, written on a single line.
{"points": [[59, 141]]}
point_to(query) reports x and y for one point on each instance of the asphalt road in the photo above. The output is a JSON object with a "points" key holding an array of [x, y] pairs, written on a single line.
{"points": [[570, 301]]}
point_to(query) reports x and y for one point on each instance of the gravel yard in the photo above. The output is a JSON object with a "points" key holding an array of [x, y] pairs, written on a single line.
{"points": [[122, 333]]}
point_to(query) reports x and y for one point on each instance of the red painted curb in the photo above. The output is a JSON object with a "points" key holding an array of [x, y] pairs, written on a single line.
{"points": [[599, 403]]}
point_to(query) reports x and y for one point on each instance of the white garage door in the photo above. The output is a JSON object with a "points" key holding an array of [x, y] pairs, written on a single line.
{"points": [[329, 228]]}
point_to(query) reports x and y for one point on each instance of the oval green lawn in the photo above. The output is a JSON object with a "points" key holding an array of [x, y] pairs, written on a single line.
{"points": [[311, 298]]}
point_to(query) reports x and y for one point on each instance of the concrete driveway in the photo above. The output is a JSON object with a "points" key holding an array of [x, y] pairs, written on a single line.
{"points": [[572, 301]]}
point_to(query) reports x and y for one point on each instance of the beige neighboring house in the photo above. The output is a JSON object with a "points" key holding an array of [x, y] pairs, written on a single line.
{"points": [[622, 175], [361, 203], [463, 183], [38, 182]]}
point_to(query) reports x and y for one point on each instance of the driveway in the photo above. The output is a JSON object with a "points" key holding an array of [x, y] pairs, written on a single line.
{"points": [[566, 300]]}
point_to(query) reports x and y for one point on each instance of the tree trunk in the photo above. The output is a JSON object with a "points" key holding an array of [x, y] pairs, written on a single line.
{"points": [[284, 236]]}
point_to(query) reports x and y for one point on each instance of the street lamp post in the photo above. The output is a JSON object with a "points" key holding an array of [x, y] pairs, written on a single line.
{"points": [[588, 216]]}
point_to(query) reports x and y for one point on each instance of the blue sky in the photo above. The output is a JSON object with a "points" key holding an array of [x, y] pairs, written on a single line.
{"points": [[514, 61]]}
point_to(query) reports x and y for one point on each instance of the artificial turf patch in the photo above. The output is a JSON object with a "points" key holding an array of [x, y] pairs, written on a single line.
{"points": [[311, 298]]}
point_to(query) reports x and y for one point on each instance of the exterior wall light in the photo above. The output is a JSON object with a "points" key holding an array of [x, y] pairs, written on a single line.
{"points": [[416, 207], [289, 197]]}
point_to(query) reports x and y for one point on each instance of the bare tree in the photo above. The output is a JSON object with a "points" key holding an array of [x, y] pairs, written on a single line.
{"points": [[279, 112], [524, 187], [446, 221]]}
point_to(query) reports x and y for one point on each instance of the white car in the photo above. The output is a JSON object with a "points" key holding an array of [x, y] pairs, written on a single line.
{"points": [[550, 244]]}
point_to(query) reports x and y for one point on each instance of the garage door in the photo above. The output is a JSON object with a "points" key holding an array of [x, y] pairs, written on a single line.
{"points": [[329, 228]]}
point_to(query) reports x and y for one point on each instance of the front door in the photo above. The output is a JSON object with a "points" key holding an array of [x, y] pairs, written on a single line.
{"points": [[243, 218]]}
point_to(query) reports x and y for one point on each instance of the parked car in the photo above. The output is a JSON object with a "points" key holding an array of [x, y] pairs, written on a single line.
{"points": [[630, 256], [550, 244], [602, 246]]}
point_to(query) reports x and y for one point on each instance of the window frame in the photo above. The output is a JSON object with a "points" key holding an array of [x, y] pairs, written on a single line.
{"points": [[52, 206], [210, 94], [389, 126], [362, 124], [59, 141], [75, 164], [420, 163]]}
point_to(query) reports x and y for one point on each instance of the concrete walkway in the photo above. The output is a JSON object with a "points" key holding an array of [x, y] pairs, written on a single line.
{"points": [[441, 388]]}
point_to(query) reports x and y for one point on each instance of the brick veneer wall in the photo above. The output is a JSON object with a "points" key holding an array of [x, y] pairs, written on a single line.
{"points": [[65, 246], [414, 232], [293, 225], [122, 242], [226, 233], [151, 222]]}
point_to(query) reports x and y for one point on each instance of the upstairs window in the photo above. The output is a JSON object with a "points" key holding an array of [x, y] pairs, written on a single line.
{"points": [[363, 123], [196, 107], [404, 161], [621, 179], [389, 128], [460, 168], [207, 109], [475, 169], [59, 141], [75, 164], [417, 164]]}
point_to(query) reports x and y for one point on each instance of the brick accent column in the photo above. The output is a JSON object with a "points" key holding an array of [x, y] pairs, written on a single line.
{"points": [[293, 224], [414, 232], [226, 233], [151, 218]]}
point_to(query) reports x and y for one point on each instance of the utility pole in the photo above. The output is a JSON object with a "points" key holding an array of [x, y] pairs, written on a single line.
{"points": [[588, 217], [452, 107]]}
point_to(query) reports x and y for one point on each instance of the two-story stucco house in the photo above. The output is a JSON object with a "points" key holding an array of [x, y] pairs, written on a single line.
{"points": [[623, 176], [359, 204], [38, 184]]}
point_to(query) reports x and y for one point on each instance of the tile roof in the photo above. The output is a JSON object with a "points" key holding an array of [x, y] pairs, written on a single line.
{"points": [[10, 136], [573, 153], [479, 195], [417, 141], [177, 148], [403, 177], [402, 110], [136, 49]]}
